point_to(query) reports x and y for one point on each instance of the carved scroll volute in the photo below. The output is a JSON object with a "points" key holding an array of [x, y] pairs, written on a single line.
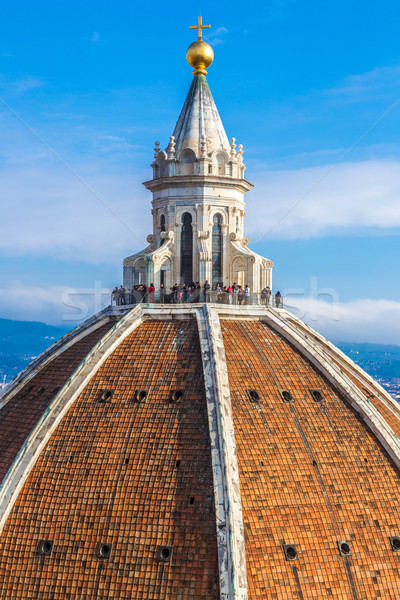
{"points": [[204, 251], [151, 240]]}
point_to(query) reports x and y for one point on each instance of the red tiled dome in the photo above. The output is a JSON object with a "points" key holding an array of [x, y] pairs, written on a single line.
{"points": [[195, 453]]}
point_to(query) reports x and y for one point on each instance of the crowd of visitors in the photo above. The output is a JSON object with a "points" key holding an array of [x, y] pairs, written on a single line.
{"points": [[194, 292]]}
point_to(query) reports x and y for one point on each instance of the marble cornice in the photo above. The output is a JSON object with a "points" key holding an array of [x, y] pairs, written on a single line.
{"points": [[203, 181]]}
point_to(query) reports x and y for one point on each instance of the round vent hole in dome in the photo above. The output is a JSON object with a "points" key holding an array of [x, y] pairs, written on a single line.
{"points": [[177, 396], [286, 396], [253, 395], [106, 395], [165, 553], [140, 395], [45, 547], [344, 548], [291, 552], [316, 395], [104, 550], [395, 543]]}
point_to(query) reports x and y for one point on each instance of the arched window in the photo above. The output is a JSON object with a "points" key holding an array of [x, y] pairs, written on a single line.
{"points": [[162, 227], [217, 250], [187, 159], [161, 166], [187, 249], [220, 163]]}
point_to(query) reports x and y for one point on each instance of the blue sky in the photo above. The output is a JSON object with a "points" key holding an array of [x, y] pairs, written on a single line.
{"points": [[309, 88]]}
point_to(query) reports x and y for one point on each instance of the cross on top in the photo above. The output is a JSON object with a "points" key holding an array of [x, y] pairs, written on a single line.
{"points": [[200, 27]]}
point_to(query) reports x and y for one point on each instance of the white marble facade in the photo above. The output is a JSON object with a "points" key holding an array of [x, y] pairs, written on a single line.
{"points": [[198, 189]]}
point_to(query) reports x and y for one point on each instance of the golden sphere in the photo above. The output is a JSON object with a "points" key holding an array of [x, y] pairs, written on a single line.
{"points": [[200, 56]]}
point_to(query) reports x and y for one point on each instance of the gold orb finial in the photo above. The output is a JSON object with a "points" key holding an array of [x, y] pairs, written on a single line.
{"points": [[200, 54]]}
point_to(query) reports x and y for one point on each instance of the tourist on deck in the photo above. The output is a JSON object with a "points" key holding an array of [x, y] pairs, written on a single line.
{"points": [[195, 297], [206, 291], [266, 296], [179, 293], [162, 293], [229, 292], [187, 294], [184, 292], [142, 289], [151, 291], [121, 295], [247, 294], [278, 299], [174, 290], [235, 292]]}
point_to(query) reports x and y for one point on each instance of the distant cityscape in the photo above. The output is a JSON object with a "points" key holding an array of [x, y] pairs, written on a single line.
{"points": [[381, 361], [22, 341]]}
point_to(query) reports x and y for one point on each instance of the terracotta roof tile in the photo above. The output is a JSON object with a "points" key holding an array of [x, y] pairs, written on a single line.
{"points": [[21, 413], [135, 475], [311, 474]]}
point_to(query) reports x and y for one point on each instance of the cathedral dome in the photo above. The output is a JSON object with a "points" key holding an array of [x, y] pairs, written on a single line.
{"points": [[198, 452], [201, 449]]}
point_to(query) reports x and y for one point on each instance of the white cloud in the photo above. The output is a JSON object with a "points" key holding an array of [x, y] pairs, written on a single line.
{"points": [[303, 203], [50, 212], [216, 37], [367, 86], [362, 320], [47, 211], [55, 305], [23, 85]]}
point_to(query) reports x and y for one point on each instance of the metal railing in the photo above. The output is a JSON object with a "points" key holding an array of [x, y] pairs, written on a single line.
{"points": [[132, 297]]}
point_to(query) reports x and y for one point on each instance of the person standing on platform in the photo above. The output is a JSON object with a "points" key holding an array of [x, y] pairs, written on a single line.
{"points": [[151, 291], [247, 294], [206, 292]]}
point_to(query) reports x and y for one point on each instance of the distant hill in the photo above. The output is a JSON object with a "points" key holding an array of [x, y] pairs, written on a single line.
{"points": [[21, 341]]}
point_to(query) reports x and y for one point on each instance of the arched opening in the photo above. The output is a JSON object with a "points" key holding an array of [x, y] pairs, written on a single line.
{"points": [[220, 164], [187, 249], [162, 227], [187, 159], [161, 166], [140, 272], [217, 250]]}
